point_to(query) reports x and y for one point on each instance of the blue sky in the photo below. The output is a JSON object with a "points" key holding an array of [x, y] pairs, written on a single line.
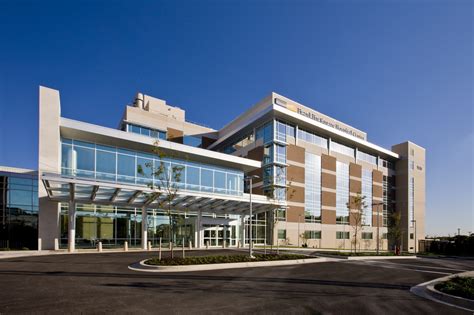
{"points": [[399, 70]]}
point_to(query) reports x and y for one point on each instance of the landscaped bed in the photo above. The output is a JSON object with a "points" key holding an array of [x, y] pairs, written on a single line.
{"points": [[458, 286], [200, 260], [363, 254]]}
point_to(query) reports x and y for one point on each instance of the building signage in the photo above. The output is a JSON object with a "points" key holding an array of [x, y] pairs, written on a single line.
{"points": [[320, 118]]}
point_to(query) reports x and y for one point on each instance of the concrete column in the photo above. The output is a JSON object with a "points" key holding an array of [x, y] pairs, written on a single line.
{"points": [[49, 161], [242, 230], [71, 239], [144, 228], [198, 229]]}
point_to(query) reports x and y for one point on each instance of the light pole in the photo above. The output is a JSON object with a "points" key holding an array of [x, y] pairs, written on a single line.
{"points": [[299, 221], [414, 223], [250, 179]]}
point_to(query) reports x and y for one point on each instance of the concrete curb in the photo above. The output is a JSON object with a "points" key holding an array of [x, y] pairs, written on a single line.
{"points": [[427, 291], [141, 266], [380, 257]]}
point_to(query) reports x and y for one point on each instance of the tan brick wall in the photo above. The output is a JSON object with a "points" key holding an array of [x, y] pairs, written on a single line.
{"points": [[328, 199], [377, 191], [355, 170], [295, 174], [294, 214], [355, 186], [328, 217], [295, 153], [377, 176], [328, 180], [295, 194], [328, 162]]}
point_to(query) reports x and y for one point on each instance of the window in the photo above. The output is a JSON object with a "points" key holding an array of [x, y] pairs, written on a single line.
{"points": [[412, 152], [280, 153], [411, 236], [312, 192], [312, 138], [342, 193], [280, 214], [384, 236], [342, 235], [149, 132], [411, 201], [268, 132], [312, 235], [412, 165], [280, 131], [207, 180], [362, 156], [367, 192], [192, 177], [282, 234], [106, 165], [85, 161], [367, 235], [194, 141], [340, 148]]}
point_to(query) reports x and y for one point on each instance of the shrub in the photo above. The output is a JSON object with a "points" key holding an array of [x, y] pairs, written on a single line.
{"points": [[199, 260], [458, 286]]}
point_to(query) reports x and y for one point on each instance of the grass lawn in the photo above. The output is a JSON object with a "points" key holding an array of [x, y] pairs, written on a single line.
{"points": [[458, 286], [196, 260]]}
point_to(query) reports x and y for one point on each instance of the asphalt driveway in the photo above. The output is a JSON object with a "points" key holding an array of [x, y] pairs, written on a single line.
{"points": [[102, 283]]}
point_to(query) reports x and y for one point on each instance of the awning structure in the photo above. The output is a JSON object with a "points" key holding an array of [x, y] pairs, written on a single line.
{"points": [[65, 188]]}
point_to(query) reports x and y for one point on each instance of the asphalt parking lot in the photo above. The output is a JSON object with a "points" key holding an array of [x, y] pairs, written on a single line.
{"points": [[102, 283]]}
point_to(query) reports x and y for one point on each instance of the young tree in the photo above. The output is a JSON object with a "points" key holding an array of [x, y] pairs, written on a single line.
{"points": [[166, 185], [356, 207], [395, 230]]}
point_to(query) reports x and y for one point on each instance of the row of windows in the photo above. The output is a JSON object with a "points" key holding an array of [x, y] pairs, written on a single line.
{"points": [[366, 157], [340, 235], [312, 138], [91, 160], [411, 201], [149, 132], [19, 193], [343, 149]]}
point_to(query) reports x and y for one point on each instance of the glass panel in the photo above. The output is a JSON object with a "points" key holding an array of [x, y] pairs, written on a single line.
{"points": [[85, 159], [206, 179], [219, 181], [66, 156], [232, 182], [192, 178], [105, 162]]}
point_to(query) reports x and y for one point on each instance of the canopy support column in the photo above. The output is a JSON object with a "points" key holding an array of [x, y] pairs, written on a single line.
{"points": [[144, 228], [71, 237]]}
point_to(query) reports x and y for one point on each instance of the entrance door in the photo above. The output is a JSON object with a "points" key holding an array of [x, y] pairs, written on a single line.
{"points": [[214, 235]]}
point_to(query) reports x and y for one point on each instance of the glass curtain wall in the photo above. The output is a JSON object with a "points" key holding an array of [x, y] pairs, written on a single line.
{"points": [[90, 160], [18, 211], [342, 193], [114, 225], [367, 193], [312, 190]]}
